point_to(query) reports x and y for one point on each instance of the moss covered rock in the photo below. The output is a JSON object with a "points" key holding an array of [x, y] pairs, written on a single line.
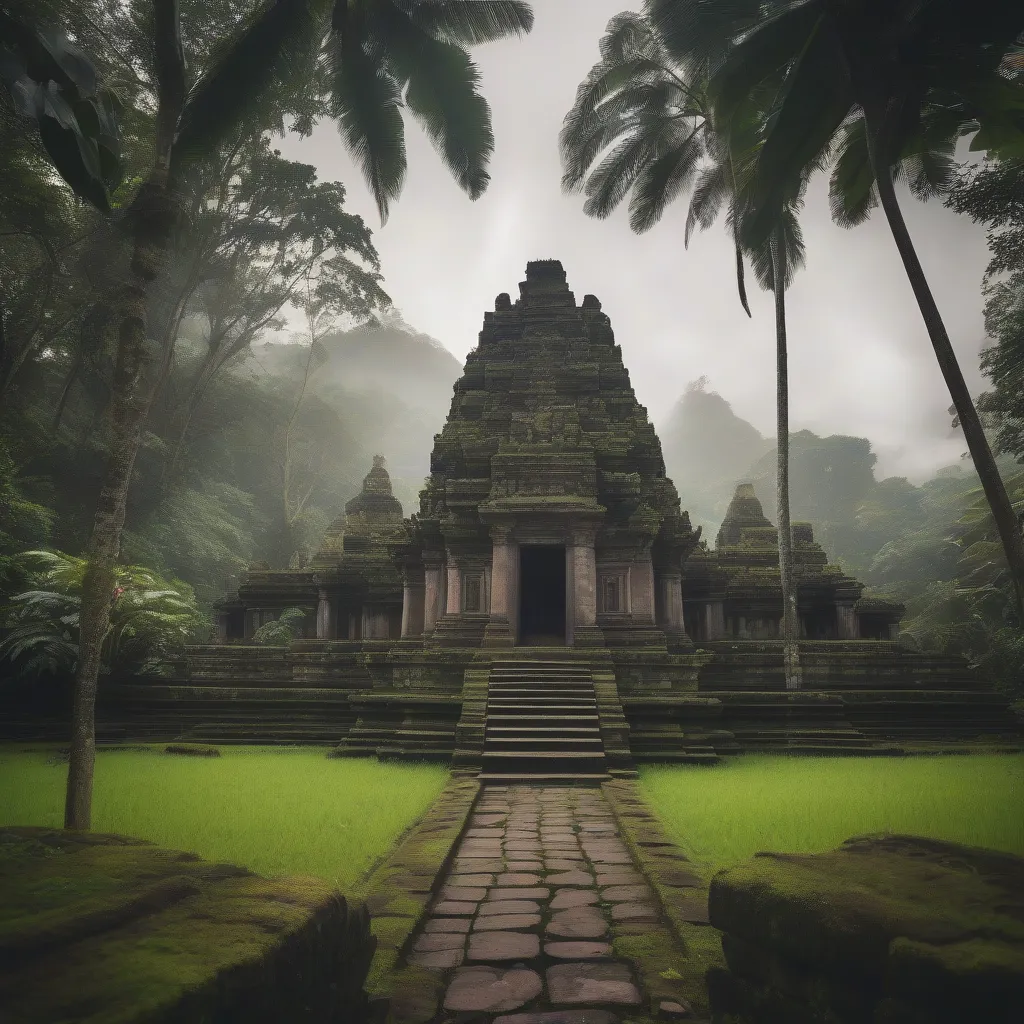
{"points": [[886, 929], [103, 928]]}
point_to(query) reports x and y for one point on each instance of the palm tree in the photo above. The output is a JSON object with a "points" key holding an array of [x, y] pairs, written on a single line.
{"points": [[910, 72], [381, 55], [644, 123], [661, 119]]}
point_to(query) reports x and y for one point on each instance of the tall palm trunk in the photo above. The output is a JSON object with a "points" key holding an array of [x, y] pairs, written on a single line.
{"points": [[995, 492], [790, 616], [152, 218]]}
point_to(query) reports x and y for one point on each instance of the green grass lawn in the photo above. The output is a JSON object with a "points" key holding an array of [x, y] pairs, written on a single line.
{"points": [[275, 810], [725, 813]]}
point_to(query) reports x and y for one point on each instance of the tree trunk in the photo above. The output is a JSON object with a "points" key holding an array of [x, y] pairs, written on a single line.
{"points": [[995, 492], [152, 217], [790, 615], [128, 412]]}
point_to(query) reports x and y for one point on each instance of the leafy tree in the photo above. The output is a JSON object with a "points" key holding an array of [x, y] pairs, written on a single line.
{"points": [[656, 115], [379, 53], [914, 73], [262, 226], [993, 194], [971, 612]]}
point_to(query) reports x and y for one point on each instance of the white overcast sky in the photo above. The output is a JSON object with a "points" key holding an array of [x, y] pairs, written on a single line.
{"points": [[860, 359]]}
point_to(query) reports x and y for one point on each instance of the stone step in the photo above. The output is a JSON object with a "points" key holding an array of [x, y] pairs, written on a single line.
{"points": [[572, 677], [538, 779], [543, 720], [530, 762], [543, 743], [560, 729], [567, 684], [552, 709], [544, 693]]}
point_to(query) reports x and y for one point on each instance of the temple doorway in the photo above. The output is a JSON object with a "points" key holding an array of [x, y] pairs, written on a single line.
{"points": [[542, 595]]}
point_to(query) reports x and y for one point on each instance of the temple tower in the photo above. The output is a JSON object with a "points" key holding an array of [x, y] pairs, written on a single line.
{"points": [[547, 519]]}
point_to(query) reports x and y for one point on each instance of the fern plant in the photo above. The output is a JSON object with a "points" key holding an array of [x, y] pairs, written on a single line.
{"points": [[151, 618]]}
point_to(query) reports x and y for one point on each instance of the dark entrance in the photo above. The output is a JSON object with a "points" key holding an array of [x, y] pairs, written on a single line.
{"points": [[542, 595]]}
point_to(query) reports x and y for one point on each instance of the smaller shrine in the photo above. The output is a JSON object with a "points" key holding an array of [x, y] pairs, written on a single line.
{"points": [[735, 591], [352, 589]]}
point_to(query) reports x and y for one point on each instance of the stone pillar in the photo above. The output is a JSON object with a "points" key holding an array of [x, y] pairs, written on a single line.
{"points": [[502, 578], [502, 556], [581, 594], [324, 630], [413, 602], [846, 621], [641, 587], [583, 582], [454, 589], [715, 618], [433, 575], [670, 601], [251, 621]]}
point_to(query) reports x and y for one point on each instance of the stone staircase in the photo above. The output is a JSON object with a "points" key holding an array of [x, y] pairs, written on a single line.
{"points": [[542, 724]]}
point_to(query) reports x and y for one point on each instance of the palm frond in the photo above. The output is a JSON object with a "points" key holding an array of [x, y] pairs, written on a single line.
{"points": [[627, 36], [699, 31], [792, 252], [366, 100], [442, 94], [466, 22], [816, 99], [614, 175], [279, 36], [766, 51], [711, 189], [661, 181], [932, 171], [851, 188], [609, 96]]}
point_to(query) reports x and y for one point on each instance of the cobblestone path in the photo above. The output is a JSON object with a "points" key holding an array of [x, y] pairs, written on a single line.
{"points": [[523, 925]]}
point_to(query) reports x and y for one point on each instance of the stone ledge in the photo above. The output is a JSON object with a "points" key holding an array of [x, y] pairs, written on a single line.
{"points": [[897, 928], [681, 890], [398, 892], [97, 928]]}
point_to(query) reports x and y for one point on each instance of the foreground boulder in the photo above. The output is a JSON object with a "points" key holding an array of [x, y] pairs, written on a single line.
{"points": [[103, 928], [886, 930]]}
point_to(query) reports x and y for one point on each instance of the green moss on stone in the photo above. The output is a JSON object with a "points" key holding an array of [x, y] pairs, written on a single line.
{"points": [[117, 931]]}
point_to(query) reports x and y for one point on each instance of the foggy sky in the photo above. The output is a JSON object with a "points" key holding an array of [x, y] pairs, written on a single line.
{"points": [[860, 359]]}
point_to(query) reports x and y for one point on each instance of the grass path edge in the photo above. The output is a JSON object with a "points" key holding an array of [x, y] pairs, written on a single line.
{"points": [[397, 893], [665, 865]]}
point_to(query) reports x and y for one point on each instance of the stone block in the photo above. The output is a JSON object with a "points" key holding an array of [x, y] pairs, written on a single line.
{"points": [[93, 920]]}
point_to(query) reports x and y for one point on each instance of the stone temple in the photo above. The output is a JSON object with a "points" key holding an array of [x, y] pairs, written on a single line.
{"points": [[549, 608]]}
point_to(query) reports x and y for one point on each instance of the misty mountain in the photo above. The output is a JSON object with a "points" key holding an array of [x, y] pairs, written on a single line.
{"points": [[394, 387], [708, 449]]}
